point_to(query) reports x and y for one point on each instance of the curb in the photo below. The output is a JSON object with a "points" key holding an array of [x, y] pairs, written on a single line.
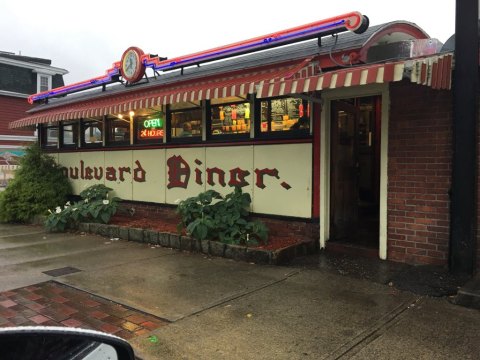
{"points": [[208, 247]]}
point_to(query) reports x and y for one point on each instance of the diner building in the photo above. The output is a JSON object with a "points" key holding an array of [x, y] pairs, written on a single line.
{"points": [[342, 138]]}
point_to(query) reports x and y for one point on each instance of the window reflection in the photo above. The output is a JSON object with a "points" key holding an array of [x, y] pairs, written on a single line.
{"points": [[92, 131], [284, 115], [50, 136], [230, 118], [186, 123], [69, 134], [118, 130]]}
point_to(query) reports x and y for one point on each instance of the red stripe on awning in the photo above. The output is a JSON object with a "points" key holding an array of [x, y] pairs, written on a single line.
{"points": [[193, 90]]}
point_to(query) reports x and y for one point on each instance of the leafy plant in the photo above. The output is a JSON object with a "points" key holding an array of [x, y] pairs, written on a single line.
{"points": [[211, 216], [39, 185], [94, 206]]}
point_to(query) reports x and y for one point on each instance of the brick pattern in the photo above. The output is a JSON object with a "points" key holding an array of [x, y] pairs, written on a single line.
{"points": [[52, 304], [301, 229], [419, 174]]}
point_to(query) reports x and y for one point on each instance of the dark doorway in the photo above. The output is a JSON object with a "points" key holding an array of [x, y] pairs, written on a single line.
{"points": [[355, 171]]}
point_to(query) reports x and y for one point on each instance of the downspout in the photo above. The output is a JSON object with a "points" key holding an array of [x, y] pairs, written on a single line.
{"points": [[464, 162]]}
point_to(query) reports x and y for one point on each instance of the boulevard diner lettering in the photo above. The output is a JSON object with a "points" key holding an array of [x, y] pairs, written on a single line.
{"points": [[179, 171]]}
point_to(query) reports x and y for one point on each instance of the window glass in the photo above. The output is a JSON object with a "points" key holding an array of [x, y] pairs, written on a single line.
{"points": [[69, 134], [284, 115], [50, 136], [92, 131], [150, 128], [118, 130], [186, 123], [230, 118], [44, 83]]}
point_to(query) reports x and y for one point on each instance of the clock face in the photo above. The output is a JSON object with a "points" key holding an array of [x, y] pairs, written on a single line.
{"points": [[132, 67]]}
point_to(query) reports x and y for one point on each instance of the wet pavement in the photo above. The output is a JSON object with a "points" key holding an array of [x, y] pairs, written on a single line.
{"points": [[54, 304], [179, 305], [435, 281]]}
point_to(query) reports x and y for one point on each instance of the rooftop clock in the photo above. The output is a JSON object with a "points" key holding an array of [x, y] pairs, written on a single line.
{"points": [[133, 67]]}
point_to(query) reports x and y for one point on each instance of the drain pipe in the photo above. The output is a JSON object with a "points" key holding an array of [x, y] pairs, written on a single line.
{"points": [[463, 210]]}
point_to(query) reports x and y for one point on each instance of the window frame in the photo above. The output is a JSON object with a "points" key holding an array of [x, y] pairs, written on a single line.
{"points": [[39, 82], [44, 134], [222, 137], [187, 139], [84, 144], [108, 121], [76, 125], [285, 134], [138, 141]]}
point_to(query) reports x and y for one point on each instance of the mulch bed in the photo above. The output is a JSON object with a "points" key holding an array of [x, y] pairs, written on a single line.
{"points": [[170, 226]]}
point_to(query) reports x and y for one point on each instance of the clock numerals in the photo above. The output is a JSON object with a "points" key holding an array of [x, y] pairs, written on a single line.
{"points": [[132, 68]]}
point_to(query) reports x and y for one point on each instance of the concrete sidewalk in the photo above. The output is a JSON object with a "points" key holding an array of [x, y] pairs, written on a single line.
{"points": [[222, 309]]}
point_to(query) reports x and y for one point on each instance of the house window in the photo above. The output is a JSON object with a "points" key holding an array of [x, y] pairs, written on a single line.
{"points": [[185, 121], [229, 117], [92, 132], [284, 115], [44, 82]]}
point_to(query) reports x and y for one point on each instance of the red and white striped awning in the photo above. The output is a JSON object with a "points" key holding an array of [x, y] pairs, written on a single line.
{"points": [[239, 84], [433, 71], [301, 77], [354, 76]]}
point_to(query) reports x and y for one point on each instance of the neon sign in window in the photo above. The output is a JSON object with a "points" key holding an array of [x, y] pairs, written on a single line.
{"points": [[150, 129]]}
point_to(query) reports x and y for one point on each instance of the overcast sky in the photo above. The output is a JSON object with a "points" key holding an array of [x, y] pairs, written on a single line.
{"points": [[86, 37]]}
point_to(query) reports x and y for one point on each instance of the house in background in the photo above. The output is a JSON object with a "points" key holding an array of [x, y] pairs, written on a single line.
{"points": [[20, 76]]}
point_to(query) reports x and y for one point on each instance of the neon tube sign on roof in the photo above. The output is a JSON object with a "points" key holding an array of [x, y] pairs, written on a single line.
{"points": [[353, 21]]}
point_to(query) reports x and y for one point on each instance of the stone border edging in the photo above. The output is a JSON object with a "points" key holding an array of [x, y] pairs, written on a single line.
{"points": [[208, 247]]}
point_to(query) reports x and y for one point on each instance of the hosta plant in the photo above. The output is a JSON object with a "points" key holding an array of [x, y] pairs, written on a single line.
{"points": [[95, 206], [212, 216]]}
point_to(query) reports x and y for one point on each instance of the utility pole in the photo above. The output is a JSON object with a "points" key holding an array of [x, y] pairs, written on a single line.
{"points": [[465, 116]]}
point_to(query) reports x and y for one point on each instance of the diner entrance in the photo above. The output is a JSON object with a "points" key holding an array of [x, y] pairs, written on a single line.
{"points": [[355, 171]]}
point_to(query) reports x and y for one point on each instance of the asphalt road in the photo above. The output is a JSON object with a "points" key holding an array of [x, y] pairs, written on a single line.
{"points": [[214, 308]]}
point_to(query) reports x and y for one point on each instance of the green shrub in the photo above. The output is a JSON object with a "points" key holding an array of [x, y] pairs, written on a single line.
{"points": [[209, 215], [39, 184], [95, 206]]}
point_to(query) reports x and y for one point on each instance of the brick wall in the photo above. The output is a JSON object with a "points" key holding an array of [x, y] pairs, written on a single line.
{"points": [[299, 229], [419, 174]]}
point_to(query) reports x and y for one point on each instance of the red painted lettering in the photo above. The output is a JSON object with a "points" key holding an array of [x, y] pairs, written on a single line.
{"points": [[178, 172], [88, 173], [121, 171], [139, 174], [261, 173], [237, 177], [219, 172], [111, 174]]}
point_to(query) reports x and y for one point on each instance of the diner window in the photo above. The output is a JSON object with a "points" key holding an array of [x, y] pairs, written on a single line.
{"points": [[50, 136], [92, 132], [150, 128], [69, 134], [185, 123], [229, 117], [118, 131], [284, 115]]}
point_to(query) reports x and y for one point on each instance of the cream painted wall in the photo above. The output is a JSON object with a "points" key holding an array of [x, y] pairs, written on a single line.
{"points": [[279, 176], [294, 165]]}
